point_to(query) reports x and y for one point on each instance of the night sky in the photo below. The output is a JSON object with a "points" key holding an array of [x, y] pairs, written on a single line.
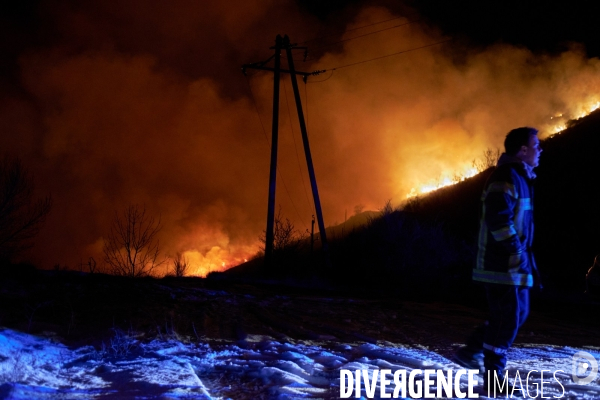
{"points": [[110, 104]]}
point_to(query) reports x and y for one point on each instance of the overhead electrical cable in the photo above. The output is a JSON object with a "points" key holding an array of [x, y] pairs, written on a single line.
{"points": [[312, 205], [385, 56], [267, 140], [306, 95], [294, 140], [319, 46], [256, 108], [350, 30]]}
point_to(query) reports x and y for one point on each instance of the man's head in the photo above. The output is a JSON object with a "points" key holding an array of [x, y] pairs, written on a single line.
{"points": [[523, 143]]}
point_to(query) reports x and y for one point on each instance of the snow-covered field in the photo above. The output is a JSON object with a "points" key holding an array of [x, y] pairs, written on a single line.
{"points": [[259, 367]]}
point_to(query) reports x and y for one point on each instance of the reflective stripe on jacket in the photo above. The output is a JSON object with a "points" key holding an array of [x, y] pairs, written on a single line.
{"points": [[506, 227]]}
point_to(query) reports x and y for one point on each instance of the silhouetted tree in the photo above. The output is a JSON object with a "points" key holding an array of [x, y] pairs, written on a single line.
{"points": [[180, 265], [132, 248], [21, 215]]}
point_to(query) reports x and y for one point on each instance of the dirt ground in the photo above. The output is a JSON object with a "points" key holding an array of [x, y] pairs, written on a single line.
{"points": [[85, 309]]}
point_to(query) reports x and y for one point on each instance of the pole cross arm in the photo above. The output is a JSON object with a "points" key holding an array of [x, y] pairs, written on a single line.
{"points": [[260, 67]]}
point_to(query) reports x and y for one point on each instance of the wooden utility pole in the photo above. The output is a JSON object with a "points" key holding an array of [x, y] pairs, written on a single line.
{"points": [[309, 163], [274, 140], [280, 44]]}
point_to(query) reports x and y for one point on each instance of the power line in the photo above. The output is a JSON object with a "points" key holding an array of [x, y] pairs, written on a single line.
{"points": [[291, 200], [294, 140], [267, 140], [350, 30], [368, 60], [387, 55], [256, 108], [314, 73], [312, 206], [363, 35]]}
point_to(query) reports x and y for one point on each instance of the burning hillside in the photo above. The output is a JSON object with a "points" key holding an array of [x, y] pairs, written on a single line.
{"points": [[117, 106]]}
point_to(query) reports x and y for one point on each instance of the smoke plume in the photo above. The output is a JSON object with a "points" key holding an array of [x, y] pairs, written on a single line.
{"points": [[144, 102]]}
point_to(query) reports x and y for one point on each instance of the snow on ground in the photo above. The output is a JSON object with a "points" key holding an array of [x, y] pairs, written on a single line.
{"points": [[259, 367]]}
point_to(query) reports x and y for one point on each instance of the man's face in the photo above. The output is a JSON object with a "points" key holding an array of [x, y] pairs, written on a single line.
{"points": [[530, 154]]}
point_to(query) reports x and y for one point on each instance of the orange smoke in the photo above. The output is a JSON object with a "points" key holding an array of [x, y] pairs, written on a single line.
{"points": [[144, 102]]}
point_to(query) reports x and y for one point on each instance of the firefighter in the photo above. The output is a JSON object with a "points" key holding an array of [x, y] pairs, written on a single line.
{"points": [[505, 263]]}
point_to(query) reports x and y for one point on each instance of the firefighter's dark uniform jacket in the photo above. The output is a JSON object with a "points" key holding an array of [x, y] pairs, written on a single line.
{"points": [[506, 230]]}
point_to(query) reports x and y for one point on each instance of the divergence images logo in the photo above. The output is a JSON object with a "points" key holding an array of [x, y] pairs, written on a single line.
{"points": [[585, 368]]}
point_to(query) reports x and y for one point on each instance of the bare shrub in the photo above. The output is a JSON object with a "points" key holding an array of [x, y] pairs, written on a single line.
{"points": [[385, 212], [388, 209], [489, 159], [91, 265], [21, 215], [122, 343], [132, 248], [285, 234], [181, 265]]}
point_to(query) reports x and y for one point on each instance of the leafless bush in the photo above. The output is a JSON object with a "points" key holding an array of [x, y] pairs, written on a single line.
{"points": [[132, 248], [21, 216], [91, 265], [181, 265], [169, 333], [489, 159], [284, 234], [388, 209], [122, 342]]}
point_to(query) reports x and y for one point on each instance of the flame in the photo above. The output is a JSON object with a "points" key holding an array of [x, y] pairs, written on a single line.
{"points": [[449, 178], [587, 109], [581, 110], [395, 123], [216, 259], [445, 181]]}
